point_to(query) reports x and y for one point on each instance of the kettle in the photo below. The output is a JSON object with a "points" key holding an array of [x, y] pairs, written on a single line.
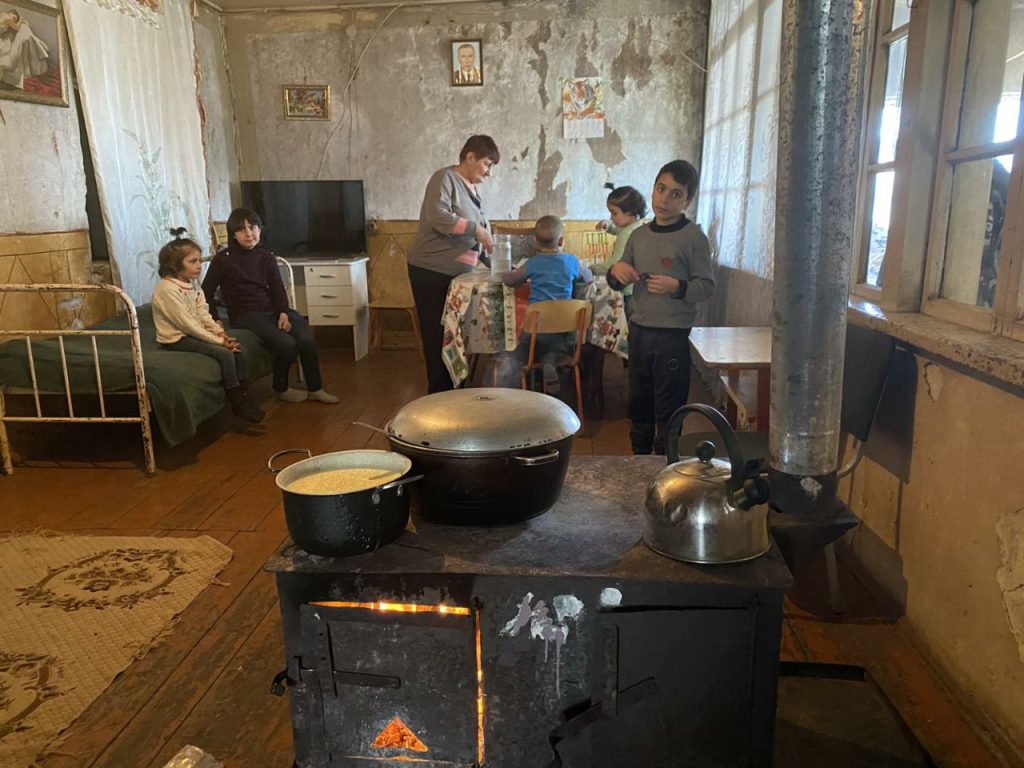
{"points": [[703, 509]]}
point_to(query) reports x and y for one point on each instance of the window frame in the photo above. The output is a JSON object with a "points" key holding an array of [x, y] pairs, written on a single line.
{"points": [[1001, 318], [881, 42]]}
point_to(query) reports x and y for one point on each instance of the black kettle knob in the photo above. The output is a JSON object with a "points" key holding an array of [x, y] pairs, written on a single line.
{"points": [[754, 491], [705, 451]]}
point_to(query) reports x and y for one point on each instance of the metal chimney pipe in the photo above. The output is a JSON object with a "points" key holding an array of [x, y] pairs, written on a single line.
{"points": [[820, 97]]}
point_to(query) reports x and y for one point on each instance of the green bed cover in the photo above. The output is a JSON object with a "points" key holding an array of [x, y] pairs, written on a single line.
{"points": [[184, 388]]}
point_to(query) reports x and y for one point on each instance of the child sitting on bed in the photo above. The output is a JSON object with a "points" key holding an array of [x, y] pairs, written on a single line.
{"points": [[183, 321], [251, 288]]}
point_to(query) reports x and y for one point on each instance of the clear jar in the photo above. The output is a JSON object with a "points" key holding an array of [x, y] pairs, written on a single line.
{"points": [[501, 256]]}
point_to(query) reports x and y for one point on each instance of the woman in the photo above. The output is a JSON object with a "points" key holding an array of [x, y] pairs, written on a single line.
{"points": [[452, 233]]}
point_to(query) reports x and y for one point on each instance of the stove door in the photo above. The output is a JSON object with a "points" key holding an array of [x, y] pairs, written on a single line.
{"points": [[394, 686], [700, 716]]}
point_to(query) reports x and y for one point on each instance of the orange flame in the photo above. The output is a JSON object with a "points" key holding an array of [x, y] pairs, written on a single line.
{"points": [[452, 610], [398, 736]]}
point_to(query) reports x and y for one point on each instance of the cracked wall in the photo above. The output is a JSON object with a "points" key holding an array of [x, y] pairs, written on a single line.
{"points": [[397, 118]]}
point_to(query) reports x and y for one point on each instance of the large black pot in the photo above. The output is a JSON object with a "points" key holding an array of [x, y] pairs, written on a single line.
{"points": [[487, 456], [341, 524]]}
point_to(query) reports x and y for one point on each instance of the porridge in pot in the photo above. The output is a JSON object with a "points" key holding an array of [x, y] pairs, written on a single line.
{"points": [[347, 480]]}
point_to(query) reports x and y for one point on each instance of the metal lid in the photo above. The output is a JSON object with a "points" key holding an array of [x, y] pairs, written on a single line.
{"points": [[484, 420], [709, 471]]}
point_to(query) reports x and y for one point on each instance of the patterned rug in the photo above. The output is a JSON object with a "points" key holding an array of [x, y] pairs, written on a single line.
{"points": [[77, 610]]}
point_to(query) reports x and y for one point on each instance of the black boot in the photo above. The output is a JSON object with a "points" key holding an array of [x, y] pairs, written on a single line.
{"points": [[241, 407]]}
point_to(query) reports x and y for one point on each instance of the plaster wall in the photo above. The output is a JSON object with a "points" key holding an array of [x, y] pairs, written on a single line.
{"points": [[43, 187], [218, 120], [396, 118]]}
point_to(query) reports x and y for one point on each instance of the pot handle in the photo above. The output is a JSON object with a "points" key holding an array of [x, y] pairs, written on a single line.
{"points": [[536, 461], [400, 481], [270, 462]]}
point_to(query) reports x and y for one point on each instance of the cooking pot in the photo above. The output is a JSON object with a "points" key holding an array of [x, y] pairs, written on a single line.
{"points": [[488, 456], [341, 524], [703, 509]]}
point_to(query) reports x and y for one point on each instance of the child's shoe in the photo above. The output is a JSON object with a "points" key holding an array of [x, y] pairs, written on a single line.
{"points": [[322, 396], [292, 395], [241, 407]]}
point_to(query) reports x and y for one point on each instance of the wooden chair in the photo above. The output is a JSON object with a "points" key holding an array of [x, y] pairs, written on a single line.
{"points": [[561, 316], [390, 292]]}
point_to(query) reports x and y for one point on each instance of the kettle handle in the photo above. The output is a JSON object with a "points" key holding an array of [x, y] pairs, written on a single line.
{"points": [[675, 428]]}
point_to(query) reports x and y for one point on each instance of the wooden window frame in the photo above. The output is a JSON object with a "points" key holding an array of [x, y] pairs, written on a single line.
{"points": [[880, 44], [1002, 317]]}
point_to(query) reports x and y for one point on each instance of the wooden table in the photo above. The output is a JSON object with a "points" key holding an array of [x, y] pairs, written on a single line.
{"points": [[732, 351]]}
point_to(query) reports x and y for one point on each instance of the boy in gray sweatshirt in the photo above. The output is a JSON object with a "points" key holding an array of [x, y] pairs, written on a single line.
{"points": [[669, 264]]}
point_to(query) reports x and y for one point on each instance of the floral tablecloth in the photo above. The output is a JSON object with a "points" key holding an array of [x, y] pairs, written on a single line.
{"points": [[482, 316]]}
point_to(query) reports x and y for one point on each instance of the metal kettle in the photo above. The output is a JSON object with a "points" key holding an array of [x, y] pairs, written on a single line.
{"points": [[703, 509]]}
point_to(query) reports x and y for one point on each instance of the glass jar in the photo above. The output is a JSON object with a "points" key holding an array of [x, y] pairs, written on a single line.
{"points": [[501, 255]]}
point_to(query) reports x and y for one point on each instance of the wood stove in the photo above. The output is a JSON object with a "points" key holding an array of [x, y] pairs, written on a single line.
{"points": [[559, 641]]}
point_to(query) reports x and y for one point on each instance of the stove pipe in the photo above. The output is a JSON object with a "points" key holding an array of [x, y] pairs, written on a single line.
{"points": [[821, 83]]}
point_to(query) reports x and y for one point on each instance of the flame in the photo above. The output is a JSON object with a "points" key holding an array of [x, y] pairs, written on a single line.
{"points": [[398, 736], [479, 692], [452, 610]]}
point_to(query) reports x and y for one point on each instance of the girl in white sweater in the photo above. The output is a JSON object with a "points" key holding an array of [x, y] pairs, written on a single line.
{"points": [[184, 324]]}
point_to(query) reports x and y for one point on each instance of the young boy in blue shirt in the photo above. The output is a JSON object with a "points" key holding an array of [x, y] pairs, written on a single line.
{"points": [[551, 274]]}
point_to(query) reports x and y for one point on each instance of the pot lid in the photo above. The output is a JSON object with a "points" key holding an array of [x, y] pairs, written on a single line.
{"points": [[483, 420]]}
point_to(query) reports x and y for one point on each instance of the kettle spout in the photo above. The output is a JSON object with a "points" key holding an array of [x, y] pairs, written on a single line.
{"points": [[754, 491]]}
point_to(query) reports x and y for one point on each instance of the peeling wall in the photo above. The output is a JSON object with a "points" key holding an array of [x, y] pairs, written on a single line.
{"points": [[43, 187], [399, 119], [219, 125]]}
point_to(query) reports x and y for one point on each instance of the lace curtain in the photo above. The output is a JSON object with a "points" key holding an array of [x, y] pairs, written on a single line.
{"points": [[737, 197], [136, 77]]}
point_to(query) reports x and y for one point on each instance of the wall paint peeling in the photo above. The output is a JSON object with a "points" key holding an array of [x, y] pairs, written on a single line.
{"points": [[1010, 530], [400, 119]]}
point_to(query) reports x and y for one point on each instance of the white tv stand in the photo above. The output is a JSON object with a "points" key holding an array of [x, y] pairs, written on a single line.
{"points": [[332, 291]]}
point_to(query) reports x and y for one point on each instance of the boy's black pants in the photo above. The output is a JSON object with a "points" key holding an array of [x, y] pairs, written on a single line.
{"points": [[659, 383]]}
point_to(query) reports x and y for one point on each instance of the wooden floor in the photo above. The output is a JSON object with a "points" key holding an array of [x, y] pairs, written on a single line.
{"points": [[208, 683]]}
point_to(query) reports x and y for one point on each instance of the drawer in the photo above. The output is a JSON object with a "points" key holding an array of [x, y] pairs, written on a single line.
{"points": [[340, 275], [329, 295], [332, 315]]}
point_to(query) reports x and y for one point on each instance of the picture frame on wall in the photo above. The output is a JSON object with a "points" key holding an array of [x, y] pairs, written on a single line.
{"points": [[33, 60], [306, 102], [467, 64]]}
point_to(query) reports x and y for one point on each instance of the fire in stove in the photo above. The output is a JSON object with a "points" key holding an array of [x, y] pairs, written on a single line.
{"points": [[396, 739]]}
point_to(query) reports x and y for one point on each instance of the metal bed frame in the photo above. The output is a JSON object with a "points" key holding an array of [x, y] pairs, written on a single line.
{"points": [[132, 332]]}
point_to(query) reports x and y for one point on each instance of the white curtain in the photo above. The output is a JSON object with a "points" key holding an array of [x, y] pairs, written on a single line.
{"points": [[136, 77], [737, 196]]}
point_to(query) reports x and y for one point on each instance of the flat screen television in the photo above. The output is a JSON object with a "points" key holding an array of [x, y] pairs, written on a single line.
{"points": [[309, 218]]}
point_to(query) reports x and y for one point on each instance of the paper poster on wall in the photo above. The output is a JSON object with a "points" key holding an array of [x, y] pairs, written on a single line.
{"points": [[583, 107]]}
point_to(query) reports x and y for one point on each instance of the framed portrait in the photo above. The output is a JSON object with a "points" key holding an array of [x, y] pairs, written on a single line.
{"points": [[306, 102], [467, 64], [33, 62]]}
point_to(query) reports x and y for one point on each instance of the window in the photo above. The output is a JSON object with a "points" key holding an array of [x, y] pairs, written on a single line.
{"points": [[884, 107], [973, 275]]}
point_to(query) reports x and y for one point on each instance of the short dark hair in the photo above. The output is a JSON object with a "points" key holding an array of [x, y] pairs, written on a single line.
{"points": [[242, 216], [481, 145], [172, 255], [548, 231], [684, 174], [628, 200]]}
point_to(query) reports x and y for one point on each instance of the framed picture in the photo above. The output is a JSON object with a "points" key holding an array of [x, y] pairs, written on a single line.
{"points": [[306, 102], [33, 62], [467, 63]]}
